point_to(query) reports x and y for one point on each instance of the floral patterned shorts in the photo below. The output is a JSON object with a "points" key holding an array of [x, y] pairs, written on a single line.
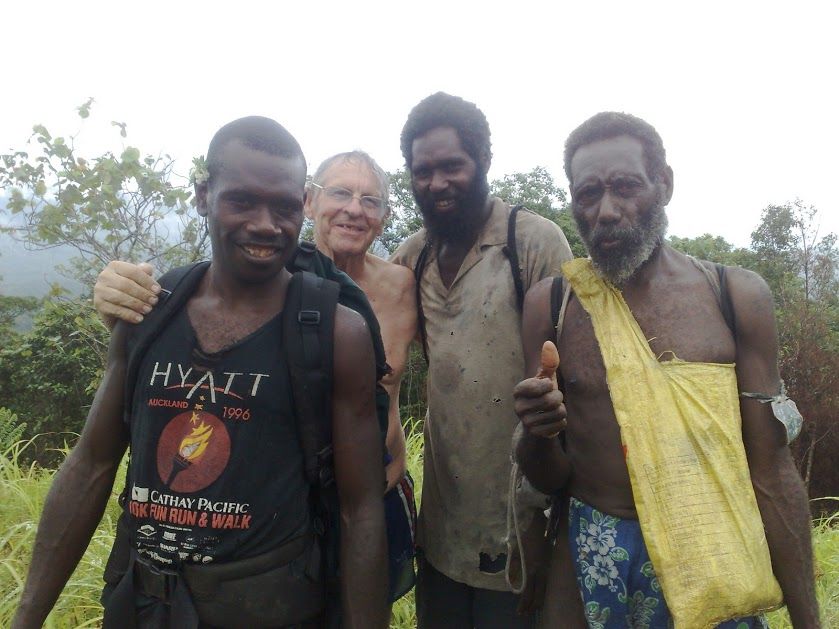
{"points": [[616, 577]]}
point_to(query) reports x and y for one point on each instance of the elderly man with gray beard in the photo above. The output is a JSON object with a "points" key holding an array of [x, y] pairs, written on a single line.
{"points": [[661, 358]]}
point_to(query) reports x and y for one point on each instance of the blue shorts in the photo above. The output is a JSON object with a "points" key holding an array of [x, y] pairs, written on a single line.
{"points": [[616, 577], [401, 521]]}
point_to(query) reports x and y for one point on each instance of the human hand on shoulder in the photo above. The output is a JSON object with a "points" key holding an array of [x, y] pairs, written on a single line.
{"points": [[125, 291]]}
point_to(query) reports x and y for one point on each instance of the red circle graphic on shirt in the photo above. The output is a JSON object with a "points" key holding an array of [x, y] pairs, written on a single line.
{"points": [[192, 452]]}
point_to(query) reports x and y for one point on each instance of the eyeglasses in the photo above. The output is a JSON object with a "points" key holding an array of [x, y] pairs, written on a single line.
{"points": [[374, 207]]}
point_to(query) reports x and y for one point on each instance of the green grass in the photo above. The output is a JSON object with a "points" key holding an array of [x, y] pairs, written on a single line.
{"points": [[24, 488]]}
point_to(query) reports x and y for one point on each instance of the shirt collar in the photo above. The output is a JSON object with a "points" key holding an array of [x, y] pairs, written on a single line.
{"points": [[494, 231]]}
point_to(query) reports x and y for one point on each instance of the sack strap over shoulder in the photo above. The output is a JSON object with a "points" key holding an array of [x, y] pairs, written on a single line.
{"points": [[726, 306]]}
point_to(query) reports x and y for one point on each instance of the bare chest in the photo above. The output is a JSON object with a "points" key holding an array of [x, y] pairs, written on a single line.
{"points": [[217, 329], [397, 322], [688, 329], [450, 257]]}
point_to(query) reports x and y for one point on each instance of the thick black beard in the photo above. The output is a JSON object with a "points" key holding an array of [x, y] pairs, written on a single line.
{"points": [[636, 246], [462, 225]]}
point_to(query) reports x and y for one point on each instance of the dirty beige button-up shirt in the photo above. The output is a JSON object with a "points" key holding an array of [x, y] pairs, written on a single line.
{"points": [[476, 359]]}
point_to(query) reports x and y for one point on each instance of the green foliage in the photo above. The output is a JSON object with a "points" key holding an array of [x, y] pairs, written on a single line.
{"points": [[120, 205], [11, 310], [826, 567], [412, 393], [537, 191], [713, 248], [405, 218], [10, 429], [23, 490], [49, 374], [802, 269]]}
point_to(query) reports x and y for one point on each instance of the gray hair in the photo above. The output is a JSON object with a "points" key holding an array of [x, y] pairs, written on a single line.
{"points": [[359, 157]]}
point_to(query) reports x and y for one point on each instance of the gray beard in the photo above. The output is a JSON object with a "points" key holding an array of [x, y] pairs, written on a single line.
{"points": [[636, 246]]}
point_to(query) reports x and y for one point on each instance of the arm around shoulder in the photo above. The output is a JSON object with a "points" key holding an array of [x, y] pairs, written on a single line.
{"points": [[359, 475], [780, 493]]}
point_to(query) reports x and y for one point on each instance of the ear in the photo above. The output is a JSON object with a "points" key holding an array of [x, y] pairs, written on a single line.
{"points": [[667, 182], [381, 226], [484, 161], [308, 200], [201, 192]]}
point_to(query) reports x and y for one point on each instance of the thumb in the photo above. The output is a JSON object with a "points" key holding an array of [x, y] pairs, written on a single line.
{"points": [[549, 362], [146, 268]]}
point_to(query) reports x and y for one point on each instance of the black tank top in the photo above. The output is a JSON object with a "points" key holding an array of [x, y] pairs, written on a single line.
{"points": [[216, 469]]}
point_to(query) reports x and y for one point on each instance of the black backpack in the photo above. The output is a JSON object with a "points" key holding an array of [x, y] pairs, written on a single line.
{"points": [[316, 288]]}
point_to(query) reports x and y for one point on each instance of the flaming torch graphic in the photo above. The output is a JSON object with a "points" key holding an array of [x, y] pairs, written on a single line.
{"points": [[191, 448]]}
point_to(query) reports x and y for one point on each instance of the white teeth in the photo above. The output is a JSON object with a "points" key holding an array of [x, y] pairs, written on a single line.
{"points": [[259, 252]]}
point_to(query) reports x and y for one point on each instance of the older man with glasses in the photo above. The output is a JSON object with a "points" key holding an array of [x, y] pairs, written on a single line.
{"points": [[347, 201]]}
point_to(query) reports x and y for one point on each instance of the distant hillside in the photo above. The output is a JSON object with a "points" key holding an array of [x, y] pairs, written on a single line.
{"points": [[30, 273]]}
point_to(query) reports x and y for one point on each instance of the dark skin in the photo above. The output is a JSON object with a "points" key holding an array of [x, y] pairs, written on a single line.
{"points": [[254, 212], [442, 170], [442, 173], [675, 308]]}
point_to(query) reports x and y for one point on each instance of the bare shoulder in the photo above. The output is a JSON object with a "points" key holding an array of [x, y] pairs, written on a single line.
{"points": [[750, 295], [396, 275], [350, 326], [746, 283], [407, 253], [390, 285], [540, 292]]}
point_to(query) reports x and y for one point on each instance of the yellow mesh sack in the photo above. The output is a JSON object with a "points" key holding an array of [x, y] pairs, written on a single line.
{"points": [[681, 431]]}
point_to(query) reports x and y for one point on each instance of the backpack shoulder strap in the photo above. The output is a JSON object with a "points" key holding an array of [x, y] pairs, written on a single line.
{"points": [[305, 258], [178, 286], [726, 306], [511, 251], [308, 334]]}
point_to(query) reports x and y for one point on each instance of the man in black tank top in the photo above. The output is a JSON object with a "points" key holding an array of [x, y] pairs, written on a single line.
{"points": [[216, 472]]}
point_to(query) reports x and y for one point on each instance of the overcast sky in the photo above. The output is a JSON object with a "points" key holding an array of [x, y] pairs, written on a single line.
{"points": [[743, 93]]}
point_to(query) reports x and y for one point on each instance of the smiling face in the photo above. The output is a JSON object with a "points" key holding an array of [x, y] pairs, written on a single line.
{"points": [[343, 227], [619, 210], [450, 187], [254, 209]]}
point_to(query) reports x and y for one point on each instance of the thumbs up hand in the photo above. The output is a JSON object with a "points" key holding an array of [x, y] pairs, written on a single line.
{"points": [[549, 361], [538, 401]]}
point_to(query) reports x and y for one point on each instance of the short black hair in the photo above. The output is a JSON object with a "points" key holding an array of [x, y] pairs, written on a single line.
{"points": [[255, 132], [445, 110], [611, 124]]}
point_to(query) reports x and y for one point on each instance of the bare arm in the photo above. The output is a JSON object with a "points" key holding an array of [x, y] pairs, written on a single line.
{"points": [[359, 475], [538, 403], [398, 321], [780, 493], [125, 291], [78, 495], [395, 440]]}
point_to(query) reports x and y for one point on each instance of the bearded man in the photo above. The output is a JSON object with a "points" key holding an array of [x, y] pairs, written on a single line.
{"points": [[468, 321], [655, 347]]}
